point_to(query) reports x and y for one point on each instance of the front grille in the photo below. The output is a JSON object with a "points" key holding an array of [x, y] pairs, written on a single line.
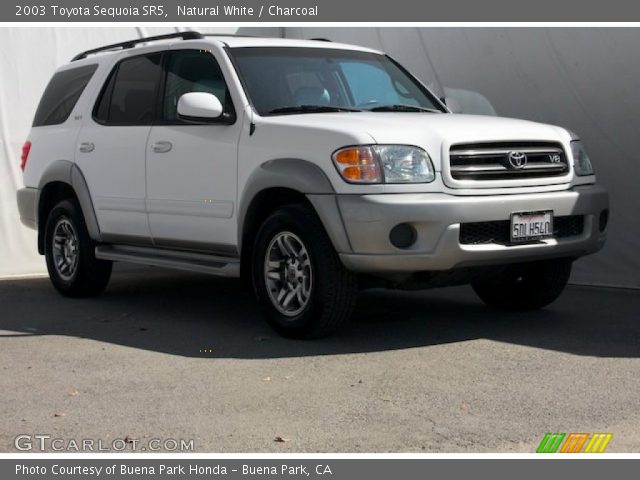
{"points": [[499, 231], [507, 160]]}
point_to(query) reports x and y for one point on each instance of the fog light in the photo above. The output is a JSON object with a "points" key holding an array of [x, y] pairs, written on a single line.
{"points": [[403, 235], [604, 219]]}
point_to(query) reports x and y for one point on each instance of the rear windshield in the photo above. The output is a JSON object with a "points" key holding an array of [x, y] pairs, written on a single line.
{"points": [[61, 95]]}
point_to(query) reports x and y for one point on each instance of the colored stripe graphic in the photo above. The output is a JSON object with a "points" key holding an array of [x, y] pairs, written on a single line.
{"points": [[550, 443], [598, 443], [574, 442]]}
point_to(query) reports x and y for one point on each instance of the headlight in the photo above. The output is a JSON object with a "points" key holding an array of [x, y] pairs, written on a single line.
{"points": [[581, 161], [384, 164]]}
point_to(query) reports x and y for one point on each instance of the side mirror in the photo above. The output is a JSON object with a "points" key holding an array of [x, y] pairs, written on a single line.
{"points": [[199, 106]]}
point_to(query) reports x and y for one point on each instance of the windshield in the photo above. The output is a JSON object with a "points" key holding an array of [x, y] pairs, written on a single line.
{"points": [[285, 80]]}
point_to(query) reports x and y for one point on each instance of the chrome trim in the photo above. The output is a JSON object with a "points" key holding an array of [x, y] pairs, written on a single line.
{"points": [[503, 151], [473, 162], [492, 167], [498, 169]]}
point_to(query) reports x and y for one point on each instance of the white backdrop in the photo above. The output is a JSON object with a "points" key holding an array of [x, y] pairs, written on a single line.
{"points": [[583, 79]]}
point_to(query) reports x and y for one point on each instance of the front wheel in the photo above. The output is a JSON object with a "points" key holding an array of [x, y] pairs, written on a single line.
{"points": [[302, 286], [527, 286]]}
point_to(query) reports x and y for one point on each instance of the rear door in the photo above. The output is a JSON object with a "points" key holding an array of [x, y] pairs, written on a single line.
{"points": [[191, 167], [112, 145]]}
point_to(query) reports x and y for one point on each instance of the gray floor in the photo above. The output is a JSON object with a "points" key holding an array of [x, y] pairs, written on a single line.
{"points": [[417, 372]]}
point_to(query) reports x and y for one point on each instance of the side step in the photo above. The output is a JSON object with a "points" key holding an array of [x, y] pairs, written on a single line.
{"points": [[193, 262]]}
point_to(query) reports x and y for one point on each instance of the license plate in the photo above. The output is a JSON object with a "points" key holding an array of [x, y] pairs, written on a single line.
{"points": [[528, 226]]}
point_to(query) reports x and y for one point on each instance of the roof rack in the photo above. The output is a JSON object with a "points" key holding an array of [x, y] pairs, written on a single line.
{"points": [[234, 35], [190, 35]]}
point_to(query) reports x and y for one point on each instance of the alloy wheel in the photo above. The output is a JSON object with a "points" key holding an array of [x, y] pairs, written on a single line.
{"points": [[65, 249], [288, 274]]}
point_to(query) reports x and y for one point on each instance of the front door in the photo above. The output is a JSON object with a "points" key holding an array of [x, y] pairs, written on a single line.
{"points": [[191, 167]]}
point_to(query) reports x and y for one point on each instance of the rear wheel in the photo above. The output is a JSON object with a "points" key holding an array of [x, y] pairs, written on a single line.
{"points": [[69, 251], [526, 286], [300, 282]]}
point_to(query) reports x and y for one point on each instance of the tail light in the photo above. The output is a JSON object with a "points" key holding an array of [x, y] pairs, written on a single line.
{"points": [[26, 148]]}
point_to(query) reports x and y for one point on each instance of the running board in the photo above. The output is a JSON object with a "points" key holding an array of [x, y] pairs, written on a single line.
{"points": [[193, 262]]}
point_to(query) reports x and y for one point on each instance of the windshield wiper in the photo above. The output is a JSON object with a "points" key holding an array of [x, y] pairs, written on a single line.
{"points": [[313, 109], [403, 108]]}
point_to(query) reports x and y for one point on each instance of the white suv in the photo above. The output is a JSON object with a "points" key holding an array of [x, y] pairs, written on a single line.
{"points": [[307, 167]]}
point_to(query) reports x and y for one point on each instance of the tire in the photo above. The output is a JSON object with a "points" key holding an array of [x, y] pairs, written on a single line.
{"points": [[70, 254], [527, 286], [293, 254]]}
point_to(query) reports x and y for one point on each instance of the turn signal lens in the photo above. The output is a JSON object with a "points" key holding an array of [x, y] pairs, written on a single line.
{"points": [[358, 165], [384, 164]]}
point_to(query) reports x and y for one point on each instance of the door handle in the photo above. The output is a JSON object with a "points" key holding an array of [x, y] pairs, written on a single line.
{"points": [[86, 147], [162, 147]]}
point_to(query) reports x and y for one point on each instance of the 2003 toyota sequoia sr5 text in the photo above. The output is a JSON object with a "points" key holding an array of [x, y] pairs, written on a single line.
{"points": [[309, 168]]}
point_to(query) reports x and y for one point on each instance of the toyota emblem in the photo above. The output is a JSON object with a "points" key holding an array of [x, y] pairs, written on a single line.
{"points": [[517, 160]]}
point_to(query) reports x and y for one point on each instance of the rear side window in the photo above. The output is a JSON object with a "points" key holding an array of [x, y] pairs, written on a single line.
{"points": [[62, 94], [129, 97]]}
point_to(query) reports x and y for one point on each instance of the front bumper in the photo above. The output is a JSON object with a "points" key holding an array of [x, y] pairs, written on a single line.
{"points": [[436, 218]]}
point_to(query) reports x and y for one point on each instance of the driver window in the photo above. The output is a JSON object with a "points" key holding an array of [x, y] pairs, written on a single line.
{"points": [[192, 71]]}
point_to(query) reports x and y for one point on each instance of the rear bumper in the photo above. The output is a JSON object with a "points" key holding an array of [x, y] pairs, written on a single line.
{"points": [[27, 199], [436, 218]]}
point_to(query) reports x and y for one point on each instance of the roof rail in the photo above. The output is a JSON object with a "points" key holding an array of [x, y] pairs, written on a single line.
{"points": [[234, 35], [320, 39], [190, 35]]}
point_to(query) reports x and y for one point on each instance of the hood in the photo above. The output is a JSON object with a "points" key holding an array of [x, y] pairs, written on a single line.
{"points": [[434, 132]]}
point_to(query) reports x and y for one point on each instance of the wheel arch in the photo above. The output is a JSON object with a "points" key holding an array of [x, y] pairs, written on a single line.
{"points": [[64, 180], [285, 181]]}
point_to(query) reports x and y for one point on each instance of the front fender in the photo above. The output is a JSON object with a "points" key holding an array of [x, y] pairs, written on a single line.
{"points": [[304, 177]]}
